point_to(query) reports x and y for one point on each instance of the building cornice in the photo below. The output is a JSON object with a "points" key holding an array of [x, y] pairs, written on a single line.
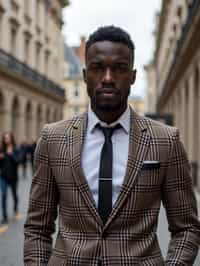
{"points": [[9, 65]]}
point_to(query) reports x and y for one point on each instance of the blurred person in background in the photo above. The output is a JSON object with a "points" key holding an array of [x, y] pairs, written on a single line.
{"points": [[31, 151], [9, 160], [24, 156]]}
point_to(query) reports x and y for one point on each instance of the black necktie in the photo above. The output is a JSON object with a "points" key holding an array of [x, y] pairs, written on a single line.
{"points": [[105, 173]]}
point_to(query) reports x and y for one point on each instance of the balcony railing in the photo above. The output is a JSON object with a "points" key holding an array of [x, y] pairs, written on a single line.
{"points": [[21, 69]]}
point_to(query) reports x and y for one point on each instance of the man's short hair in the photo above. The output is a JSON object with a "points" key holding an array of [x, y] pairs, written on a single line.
{"points": [[113, 34]]}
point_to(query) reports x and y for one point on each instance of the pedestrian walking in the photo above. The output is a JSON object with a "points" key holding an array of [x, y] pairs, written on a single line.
{"points": [[105, 173], [31, 150], [9, 160], [24, 148]]}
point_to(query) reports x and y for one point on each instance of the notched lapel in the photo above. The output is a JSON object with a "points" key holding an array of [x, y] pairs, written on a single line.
{"points": [[76, 137]]}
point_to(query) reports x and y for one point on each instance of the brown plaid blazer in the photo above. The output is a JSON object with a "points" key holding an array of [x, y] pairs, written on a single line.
{"points": [[129, 236]]}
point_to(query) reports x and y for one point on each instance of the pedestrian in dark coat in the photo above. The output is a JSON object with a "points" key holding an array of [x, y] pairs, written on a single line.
{"points": [[9, 160], [24, 147]]}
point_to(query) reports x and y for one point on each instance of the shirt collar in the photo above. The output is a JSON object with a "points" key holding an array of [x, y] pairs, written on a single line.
{"points": [[123, 120]]}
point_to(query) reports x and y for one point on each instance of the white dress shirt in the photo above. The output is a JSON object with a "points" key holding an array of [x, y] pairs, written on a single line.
{"points": [[93, 143]]}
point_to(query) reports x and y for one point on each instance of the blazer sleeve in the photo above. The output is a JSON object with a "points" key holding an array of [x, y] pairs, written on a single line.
{"points": [[42, 210], [181, 209]]}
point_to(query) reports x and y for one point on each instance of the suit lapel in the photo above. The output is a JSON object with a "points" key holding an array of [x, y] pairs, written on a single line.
{"points": [[76, 137], [138, 147]]}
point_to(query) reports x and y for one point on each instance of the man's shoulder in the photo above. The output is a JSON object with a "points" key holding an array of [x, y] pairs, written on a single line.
{"points": [[158, 129], [62, 126]]}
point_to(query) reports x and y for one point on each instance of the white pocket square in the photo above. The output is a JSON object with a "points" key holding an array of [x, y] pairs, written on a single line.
{"points": [[151, 162], [150, 165]]}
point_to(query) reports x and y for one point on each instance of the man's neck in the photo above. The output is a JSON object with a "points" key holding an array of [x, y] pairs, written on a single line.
{"points": [[109, 116]]}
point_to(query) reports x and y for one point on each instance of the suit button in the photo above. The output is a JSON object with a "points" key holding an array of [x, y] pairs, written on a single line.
{"points": [[104, 234]]}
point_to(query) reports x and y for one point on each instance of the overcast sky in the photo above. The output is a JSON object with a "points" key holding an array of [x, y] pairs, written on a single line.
{"points": [[136, 16]]}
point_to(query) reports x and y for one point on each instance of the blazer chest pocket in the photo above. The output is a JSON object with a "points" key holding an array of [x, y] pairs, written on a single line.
{"points": [[150, 175], [150, 165]]}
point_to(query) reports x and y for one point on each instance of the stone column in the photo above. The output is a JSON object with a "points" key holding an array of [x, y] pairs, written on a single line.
{"points": [[60, 115], [172, 107], [5, 38], [43, 117], [21, 131], [191, 124], [183, 118], [176, 109], [198, 136], [51, 115], [186, 116], [34, 121]]}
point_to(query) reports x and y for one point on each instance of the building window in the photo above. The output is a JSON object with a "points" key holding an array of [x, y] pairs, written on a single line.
{"points": [[13, 40], [174, 27], [27, 48], [38, 55], [76, 90], [14, 6], [179, 11], [47, 56]]}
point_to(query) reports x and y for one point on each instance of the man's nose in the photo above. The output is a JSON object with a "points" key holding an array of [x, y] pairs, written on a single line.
{"points": [[108, 75]]}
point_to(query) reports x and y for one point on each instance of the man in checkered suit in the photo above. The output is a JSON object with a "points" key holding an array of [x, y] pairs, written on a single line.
{"points": [[149, 166]]}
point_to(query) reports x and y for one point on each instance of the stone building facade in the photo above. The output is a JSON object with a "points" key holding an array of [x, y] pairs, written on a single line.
{"points": [[31, 66], [177, 71], [150, 96], [76, 94]]}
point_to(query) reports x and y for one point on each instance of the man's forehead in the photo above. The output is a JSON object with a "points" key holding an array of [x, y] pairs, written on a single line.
{"points": [[108, 48]]}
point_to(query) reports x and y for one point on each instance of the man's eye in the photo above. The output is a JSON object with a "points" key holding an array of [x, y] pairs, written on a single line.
{"points": [[96, 68], [120, 68]]}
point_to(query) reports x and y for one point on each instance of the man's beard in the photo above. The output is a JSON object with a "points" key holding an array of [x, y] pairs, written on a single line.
{"points": [[115, 102], [106, 107], [106, 104]]}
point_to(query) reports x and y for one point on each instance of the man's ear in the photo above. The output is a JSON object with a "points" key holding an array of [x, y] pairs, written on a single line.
{"points": [[84, 74], [133, 76]]}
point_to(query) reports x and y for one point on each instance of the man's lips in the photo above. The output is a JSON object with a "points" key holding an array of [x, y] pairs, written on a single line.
{"points": [[107, 91], [107, 94]]}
